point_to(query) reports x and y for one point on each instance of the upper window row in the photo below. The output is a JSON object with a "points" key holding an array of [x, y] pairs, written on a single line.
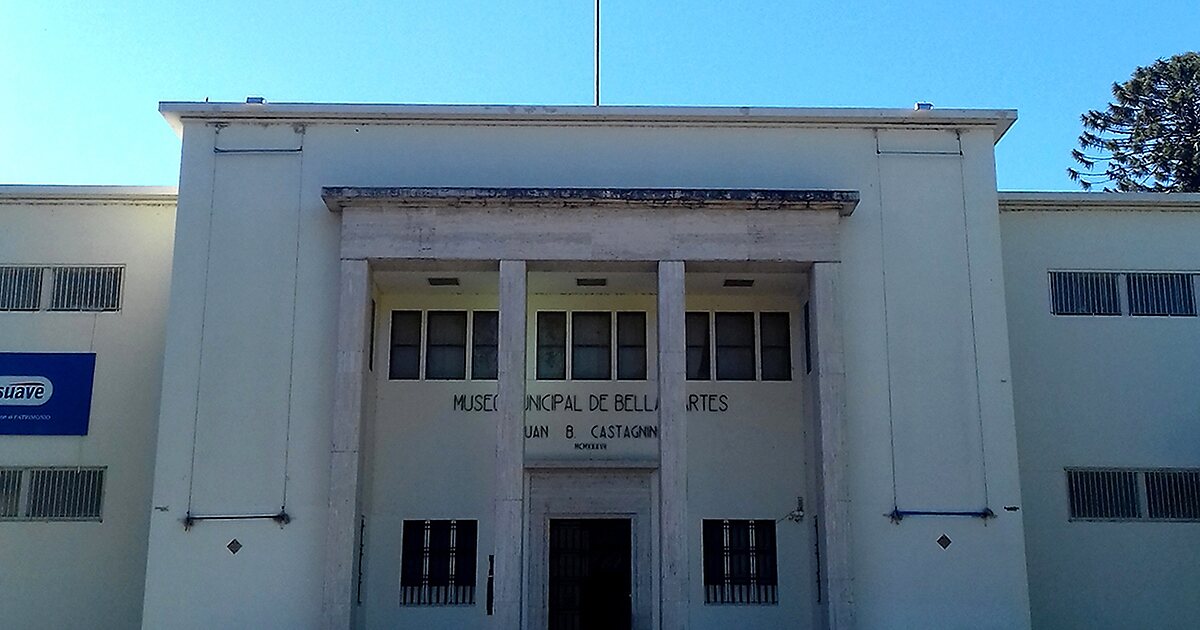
{"points": [[589, 345], [1148, 294], [441, 352], [745, 346], [68, 288]]}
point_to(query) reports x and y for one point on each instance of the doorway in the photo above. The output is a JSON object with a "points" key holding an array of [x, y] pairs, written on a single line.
{"points": [[590, 574]]}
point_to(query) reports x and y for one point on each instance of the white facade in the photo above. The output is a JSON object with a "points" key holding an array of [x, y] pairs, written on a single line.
{"points": [[302, 229], [89, 573]]}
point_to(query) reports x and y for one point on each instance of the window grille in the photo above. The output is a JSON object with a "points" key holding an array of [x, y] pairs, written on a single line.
{"points": [[404, 361], [1173, 494], [52, 493], [740, 562], [776, 346], [10, 493], [485, 344], [438, 563], [631, 346], [86, 288], [735, 346], [591, 346], [1103, 494], [1161, 294], [552, 346], [20, 288], [1084, 293], [1134, 494], [446, 345]]}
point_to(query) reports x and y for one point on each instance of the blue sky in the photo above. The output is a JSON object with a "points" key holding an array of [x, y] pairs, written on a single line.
{"points": [[80, 81]]}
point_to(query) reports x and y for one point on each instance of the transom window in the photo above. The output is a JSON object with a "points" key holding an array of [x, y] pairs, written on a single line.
{"points": [[438, 563], [433, 345], [593, 356], [748, 346], [740, 562]]}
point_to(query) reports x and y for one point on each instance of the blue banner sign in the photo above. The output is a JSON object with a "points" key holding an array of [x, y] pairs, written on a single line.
{"points": [[46, 393]]}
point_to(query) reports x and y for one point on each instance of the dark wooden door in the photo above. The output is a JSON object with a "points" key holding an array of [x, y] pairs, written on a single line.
{"points": [[590, 574]]}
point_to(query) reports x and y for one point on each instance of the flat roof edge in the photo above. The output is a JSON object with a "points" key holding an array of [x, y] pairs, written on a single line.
{"points": [[175, 112], [15, 193], [844, 201], [1018, 201]]}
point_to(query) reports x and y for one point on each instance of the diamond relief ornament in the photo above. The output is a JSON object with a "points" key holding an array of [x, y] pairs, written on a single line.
{"points": [[234, 546], [944, 541]]}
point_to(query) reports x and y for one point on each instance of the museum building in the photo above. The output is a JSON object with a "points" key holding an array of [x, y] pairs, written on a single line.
{"points": [[379, 366]]}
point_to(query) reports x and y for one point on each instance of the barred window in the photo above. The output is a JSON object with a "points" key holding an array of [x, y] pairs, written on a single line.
{"points": [[1084, 293], [485, 344], [776, 346], [735, 346], [591, 346], [1103, 494], [404, 361], [86, 288], [1161, 294], [1173, 494], [52, 493], [740, 562], [552, 346], [699, 362], [446, 345], [438, 563], [20, 288]]}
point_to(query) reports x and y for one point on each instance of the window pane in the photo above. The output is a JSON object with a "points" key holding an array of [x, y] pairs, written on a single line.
{"points": [[735, 346], [1084, 293], [1161, 294], [487, 328], [445, 363], [591, 346], [631, 346], [698, 368], [20, 288], [484, 348], [552, 346], [631, 364], [591, 329], [405, 359], [776, 346], [590, 363], [446, 349], [447, 328]]}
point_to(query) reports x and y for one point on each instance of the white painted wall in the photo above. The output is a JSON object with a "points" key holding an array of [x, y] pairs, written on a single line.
{"points": [[89, 574], [909, 370], [1103, 391]]}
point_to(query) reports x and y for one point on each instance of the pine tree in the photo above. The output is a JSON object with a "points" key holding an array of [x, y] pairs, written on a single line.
{"points": [[1148, 138]]}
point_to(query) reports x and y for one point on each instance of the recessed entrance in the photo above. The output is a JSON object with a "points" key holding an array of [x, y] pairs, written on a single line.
{"points": [[590, 574]]}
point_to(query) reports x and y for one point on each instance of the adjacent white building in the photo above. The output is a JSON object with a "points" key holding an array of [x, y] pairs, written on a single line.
{"points": [[596, 367]]}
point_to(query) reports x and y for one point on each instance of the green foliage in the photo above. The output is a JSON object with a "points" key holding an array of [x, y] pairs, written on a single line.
{"points": [[1148, 139]]}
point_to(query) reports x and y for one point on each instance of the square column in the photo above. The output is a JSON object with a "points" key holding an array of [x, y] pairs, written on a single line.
{"points": [[672, 431], [510, 447], [341, 534], [831, 429]]}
